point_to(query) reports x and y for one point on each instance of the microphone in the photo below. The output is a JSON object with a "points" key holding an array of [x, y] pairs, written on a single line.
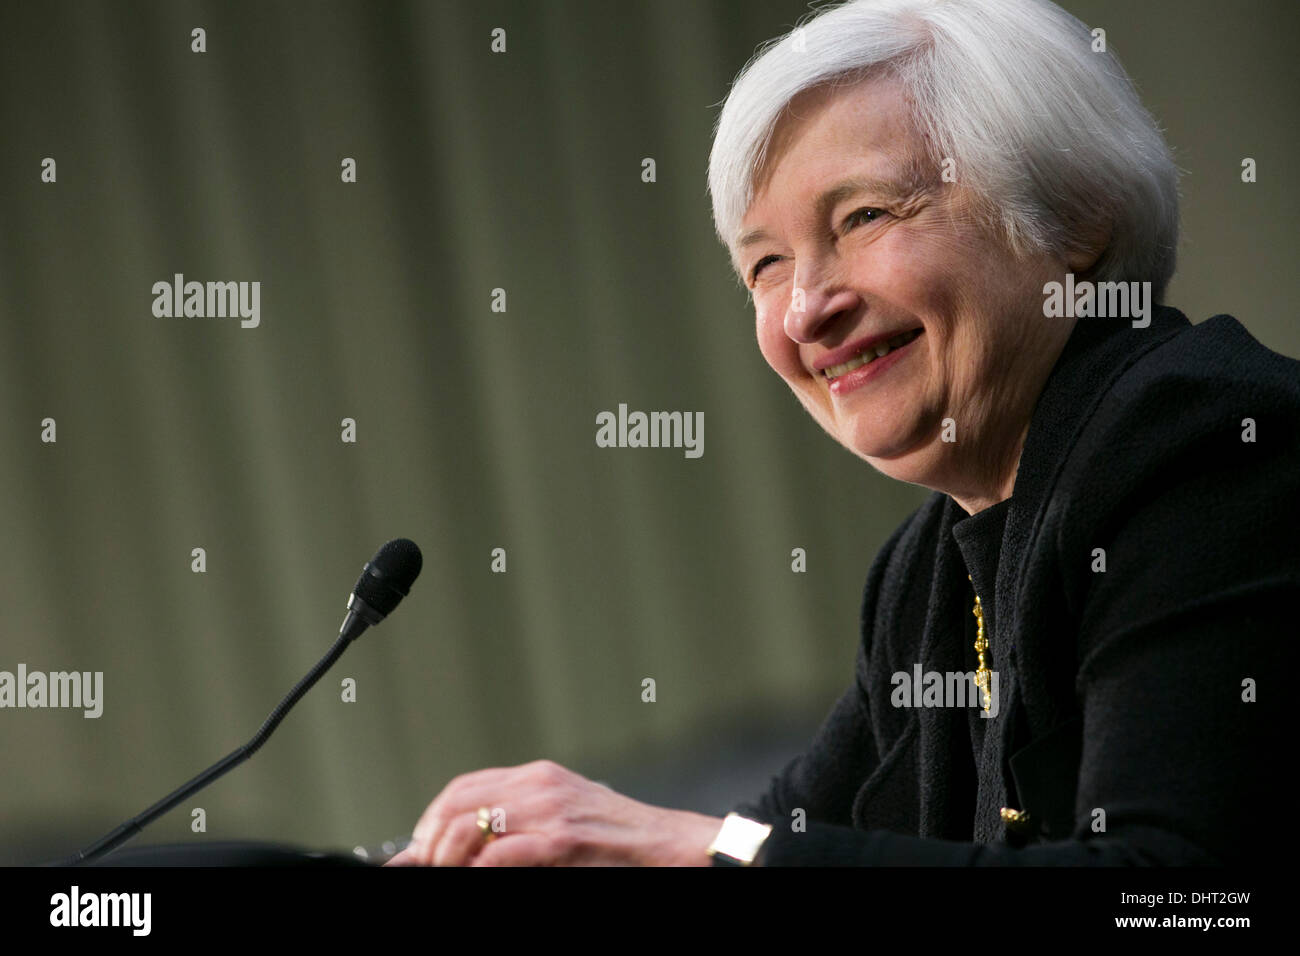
{"points": [[385, 580]]}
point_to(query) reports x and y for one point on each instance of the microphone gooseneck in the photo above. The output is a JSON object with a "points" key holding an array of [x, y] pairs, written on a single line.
{"points": [[385, 580]]}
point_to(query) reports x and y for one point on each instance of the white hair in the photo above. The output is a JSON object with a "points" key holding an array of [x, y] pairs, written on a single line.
{"points": [[1048, 135]]}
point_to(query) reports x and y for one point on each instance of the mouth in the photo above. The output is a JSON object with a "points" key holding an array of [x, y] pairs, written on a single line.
{"points": [[871, 353]]}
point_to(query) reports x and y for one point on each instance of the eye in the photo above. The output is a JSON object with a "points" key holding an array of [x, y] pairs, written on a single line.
{"points": [[853, 219], [859, 216], [761, 265]]}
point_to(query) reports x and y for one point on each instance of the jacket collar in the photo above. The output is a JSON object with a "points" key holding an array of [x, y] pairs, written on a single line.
{"points": [[1097, 353]]}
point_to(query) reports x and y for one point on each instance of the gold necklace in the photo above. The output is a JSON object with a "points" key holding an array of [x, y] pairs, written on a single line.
{"points": [[1016, 821], [981, 645]]}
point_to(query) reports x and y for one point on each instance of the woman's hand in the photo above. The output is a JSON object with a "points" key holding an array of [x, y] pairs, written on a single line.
{"points": [[544, 815]]}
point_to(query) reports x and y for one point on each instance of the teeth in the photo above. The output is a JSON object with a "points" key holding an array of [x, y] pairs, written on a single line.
{"points": [[880, 350], [836, 370]]}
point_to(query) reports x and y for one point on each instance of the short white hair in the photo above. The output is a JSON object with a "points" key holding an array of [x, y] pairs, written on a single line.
{"points": [[1049, 136]]}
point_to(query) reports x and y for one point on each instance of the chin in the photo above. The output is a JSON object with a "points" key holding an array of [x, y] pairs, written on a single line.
{"points": [[897, 453], [876, 450]]}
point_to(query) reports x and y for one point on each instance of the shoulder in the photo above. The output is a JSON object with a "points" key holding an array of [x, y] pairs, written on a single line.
{"points": [[1210, 398], [1186, 470], [1205, 371]]}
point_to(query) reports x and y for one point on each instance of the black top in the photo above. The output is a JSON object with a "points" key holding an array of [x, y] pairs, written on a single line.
{"points": [[979, 538], [1141, 588]]}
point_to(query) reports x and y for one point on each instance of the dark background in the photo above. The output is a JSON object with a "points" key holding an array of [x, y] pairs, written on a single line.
{"points": [[475, 428]]}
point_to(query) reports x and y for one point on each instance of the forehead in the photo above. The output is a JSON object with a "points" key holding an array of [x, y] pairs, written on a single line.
{"points": [[846, 117]]}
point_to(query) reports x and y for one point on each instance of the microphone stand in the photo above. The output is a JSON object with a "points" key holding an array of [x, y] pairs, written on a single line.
{"points": [[353, 625]]}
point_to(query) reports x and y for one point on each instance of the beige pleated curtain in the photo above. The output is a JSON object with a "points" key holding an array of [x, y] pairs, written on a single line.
{"points": [[475, 425]]}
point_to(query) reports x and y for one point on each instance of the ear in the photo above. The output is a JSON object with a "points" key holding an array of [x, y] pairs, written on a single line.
{"points": [[1087, 249]]}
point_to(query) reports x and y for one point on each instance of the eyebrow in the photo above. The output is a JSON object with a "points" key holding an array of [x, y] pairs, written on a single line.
{"points": [[826, 200]]}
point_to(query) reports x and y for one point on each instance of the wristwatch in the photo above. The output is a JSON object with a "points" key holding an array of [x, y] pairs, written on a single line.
{"points": [[738, 842]]}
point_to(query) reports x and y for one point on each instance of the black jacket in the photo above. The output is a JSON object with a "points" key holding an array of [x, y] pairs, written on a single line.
{"points": [[1126, 728]]}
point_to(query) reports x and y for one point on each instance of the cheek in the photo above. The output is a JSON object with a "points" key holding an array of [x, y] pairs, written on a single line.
{"points": [[931, 284]]}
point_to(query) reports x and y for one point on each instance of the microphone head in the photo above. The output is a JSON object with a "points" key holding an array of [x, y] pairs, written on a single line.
{"points": [[388, 576]]}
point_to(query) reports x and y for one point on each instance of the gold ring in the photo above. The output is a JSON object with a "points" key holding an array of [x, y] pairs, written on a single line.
{"points": [[485, 824]]}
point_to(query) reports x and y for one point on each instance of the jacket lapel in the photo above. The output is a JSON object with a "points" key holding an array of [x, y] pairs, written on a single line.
{"points": [[1097, 352]]}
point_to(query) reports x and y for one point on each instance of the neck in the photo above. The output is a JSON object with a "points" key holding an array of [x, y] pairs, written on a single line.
{"points": [[997, 488], [981, 473]]}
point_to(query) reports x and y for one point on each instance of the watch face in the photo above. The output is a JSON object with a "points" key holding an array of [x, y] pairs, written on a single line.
{"points": [[738, 841]]}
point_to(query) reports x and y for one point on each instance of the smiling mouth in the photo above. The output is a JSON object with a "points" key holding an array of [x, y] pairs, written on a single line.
{"points": [[869, 355]]}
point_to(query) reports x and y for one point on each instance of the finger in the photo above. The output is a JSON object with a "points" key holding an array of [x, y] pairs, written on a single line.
{"points": [[403, 858], [451, 842], [461, 840], [522, 785], [521, 849], [465, 794]]}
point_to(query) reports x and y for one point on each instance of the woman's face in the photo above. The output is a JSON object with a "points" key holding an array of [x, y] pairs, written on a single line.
{"points": [[860, 246]]}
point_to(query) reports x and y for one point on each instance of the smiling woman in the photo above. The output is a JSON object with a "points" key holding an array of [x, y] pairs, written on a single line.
{"points": [[907, 257], [1107, 547]]}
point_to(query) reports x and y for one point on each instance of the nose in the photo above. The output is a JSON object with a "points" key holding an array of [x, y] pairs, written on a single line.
{"points": [[814, 308]]}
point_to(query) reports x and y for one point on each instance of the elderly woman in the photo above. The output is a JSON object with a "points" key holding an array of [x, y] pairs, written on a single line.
{"points": [[936, 205]]}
